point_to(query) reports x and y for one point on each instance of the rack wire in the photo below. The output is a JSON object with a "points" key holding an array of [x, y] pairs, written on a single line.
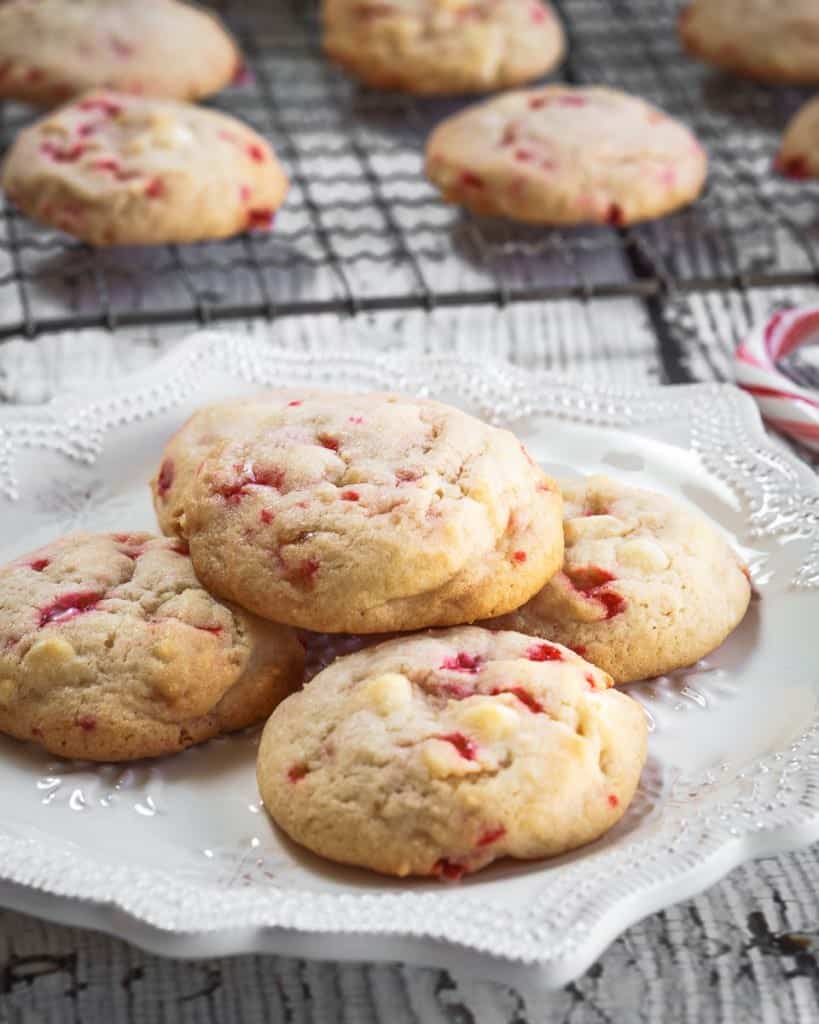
{"points": [[362, 229]]}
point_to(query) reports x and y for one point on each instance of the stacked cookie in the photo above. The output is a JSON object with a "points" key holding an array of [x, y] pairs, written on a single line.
{"points": [[129, 161], [434, 752]]}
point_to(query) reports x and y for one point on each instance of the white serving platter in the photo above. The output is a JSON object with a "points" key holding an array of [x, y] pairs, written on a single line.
{"points": [[178, 856]]}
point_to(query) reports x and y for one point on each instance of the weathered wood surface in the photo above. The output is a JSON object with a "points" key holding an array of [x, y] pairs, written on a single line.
{"points": [[744, 951]]}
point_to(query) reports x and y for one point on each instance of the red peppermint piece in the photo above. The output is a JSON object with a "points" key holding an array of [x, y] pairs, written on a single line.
{"points": [[107, 107], [523, 696], [448, 870], [63, 154], [471, 180], [795, 167], [615, 216], [258, 220], [155, 188], [544, 652], [492, 836], [69, 606], [466, 747], [462, 662], [165, 478]]}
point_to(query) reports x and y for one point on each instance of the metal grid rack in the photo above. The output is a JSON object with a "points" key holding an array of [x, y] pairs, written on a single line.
{"points": [[363, 230]]}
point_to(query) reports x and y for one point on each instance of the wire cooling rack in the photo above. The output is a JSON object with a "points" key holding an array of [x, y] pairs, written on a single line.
{"points": [[363, 230]]}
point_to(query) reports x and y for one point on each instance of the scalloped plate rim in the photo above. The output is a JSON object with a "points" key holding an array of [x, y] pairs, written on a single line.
{"points": [[113, 915]]}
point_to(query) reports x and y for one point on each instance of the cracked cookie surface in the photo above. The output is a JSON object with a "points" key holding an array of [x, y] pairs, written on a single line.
{"points": [[51, 50], [372, 513], [113, 169], [110, 649], [648, 585], [438, 753], [564, 155], [437, 47]]}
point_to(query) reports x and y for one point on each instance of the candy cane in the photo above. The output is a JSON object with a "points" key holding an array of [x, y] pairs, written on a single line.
{"points": [[784, 405]]}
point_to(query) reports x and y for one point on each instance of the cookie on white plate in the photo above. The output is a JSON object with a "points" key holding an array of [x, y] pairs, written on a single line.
{"points": [[566, 155], [110, 650], [438, 753], [368, 513], [648, 585], [113, 169]]}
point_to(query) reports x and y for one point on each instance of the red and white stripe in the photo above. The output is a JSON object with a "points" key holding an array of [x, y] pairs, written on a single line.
{"points": [[784, 405]]}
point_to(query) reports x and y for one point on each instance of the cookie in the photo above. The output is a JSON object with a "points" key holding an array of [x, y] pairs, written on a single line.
{"points": [[564, 155], [351, 513], [222, 421], [437, 754], [110, 650], [113, 169], [435, 47], [772, 40], [648, 585], [51, 50], [799, 156]]}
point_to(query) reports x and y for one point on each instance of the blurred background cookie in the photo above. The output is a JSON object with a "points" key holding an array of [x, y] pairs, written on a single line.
{"points": [[564, 155], [114, 169], [51, 50], [773, 40], [443, 46]]}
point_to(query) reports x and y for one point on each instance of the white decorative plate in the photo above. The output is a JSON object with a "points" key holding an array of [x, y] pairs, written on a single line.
{"points": [[178, 856]]}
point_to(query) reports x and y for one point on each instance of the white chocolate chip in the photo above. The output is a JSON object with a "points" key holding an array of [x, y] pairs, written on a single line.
{"points": [[55, 127], [51, 652], [168, 131], [491, 720], [389, 692], [139, 144], [590, 527], [642, 553], [442, 760]]}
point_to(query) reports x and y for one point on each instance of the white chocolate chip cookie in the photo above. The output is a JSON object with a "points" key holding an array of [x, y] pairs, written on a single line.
{"points": [[439, 753], [773, 40], [51, 50], [110, 649], [563, 155], [433, 47], [367, 513], [648, 585], [113, 169]]}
